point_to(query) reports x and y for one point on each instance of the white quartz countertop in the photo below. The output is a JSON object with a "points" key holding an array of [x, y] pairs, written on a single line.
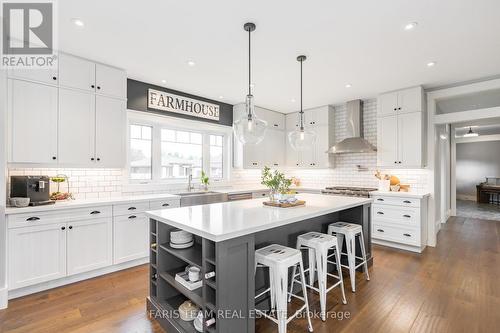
{"points": [[417, 195], [223, 221], [88, 202]]}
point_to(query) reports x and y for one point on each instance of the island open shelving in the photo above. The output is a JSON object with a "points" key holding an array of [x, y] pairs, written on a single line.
{"points": [[226, 236]]}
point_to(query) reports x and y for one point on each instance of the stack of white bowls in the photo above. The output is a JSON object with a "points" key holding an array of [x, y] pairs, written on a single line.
{"points": [[180, 239]]}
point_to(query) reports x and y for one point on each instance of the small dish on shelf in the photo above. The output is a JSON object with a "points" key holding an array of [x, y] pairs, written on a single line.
{"points": [[188, 311], [181, 246]]}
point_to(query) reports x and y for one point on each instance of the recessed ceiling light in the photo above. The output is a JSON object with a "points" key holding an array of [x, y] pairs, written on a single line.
{"points": [[77, 22], [292, 100], [348, 85], [431, 64], [411, 26], [191, 63], [163, 81]]}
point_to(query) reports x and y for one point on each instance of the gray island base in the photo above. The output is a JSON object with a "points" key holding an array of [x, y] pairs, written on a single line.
{"points": [[226, 236]]}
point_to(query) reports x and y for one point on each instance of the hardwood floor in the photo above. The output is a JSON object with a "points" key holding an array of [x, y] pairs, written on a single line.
{"points": [[451, 288]]}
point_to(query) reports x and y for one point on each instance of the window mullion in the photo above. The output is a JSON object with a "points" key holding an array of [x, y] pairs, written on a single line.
{"points": [[206, 154], [156, 153]]}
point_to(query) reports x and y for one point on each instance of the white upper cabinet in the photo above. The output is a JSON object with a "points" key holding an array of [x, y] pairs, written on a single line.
{"points": [[76, 138], [387, 137], [79, 115], [400, 129], [402, 101], [410, 148], [48, 76], [32, 112], [275, 157], [321, 121], [76, 72], [110, 127], [110, 81]]}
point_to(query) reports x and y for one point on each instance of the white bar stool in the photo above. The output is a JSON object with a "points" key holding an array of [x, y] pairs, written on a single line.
{"points": [[350, 231], [279, 259], [318, 245]]}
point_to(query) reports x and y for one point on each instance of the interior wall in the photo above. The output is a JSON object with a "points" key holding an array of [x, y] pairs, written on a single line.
{"points": [[475, 162], [3, 227]]}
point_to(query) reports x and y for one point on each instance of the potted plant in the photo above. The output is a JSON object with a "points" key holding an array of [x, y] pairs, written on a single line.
{"points": [[277, 183], [204, 180]]}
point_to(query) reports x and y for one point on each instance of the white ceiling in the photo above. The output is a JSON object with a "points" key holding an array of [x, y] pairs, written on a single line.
{"points": [[361, 42]]}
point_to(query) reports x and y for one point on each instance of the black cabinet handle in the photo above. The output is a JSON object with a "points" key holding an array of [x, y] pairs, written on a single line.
{"points": [[380, 230], [275, 125], [54, 158], [132, 208], [406, 215], [94, 212], [407, 235], [132, 217], [407, 201], [98, 87], [63, 228], [71, 227], [91, 158], [264, 194], [399, 162], [92, 86], [165, 205], [54, 78], [98, 158], [399, 108], [33, 218], [380, 213], [395, 162], [380, 199]]}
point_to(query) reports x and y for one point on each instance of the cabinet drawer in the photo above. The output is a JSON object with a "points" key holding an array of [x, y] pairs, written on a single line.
{"points": [[407, 216], [164, 203], [410, 236], [63, 215], [130, 208], [396, 201]]}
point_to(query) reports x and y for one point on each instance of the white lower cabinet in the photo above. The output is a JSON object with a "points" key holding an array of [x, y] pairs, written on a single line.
{"points": [[400, 221], [130, 237], [89, 245], [36, 254]]}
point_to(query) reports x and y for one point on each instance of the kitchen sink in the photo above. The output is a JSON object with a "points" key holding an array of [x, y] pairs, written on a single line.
{"points": [[201, 198]]}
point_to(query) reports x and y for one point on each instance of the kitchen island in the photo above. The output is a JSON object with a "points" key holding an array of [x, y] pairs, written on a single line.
{"points": [[226, 236]]}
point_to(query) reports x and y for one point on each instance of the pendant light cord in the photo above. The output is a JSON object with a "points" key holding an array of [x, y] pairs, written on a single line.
{"points": [[249, 63], [301, 108]]}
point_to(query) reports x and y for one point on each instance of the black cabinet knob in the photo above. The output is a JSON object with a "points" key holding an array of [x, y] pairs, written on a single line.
{"points": [[92, 86], [91, 158], [99, 88], [54, 158], [98, 159], [63, 228], [71, 227], [54, 78]]}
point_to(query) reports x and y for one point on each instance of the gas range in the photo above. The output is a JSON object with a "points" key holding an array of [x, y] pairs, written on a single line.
{"points": [[349, 191]]}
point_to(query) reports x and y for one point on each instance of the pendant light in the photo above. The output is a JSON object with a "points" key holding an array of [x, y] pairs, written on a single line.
{"points": [[301, 139], [248, 128]]}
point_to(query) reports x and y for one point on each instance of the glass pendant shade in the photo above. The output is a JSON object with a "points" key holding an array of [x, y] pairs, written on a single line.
{"points": [[302, 139], [248, 128]]}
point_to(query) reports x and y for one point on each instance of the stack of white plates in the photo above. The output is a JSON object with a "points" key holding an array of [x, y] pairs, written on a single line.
{"points": [[180, 239]]}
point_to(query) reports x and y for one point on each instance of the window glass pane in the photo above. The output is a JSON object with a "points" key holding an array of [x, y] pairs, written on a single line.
{"points": [[179, 156], [216, 157], [196, 138], [140, 153], [146, 132], [167, 135], [182, 137], [135, 132]]}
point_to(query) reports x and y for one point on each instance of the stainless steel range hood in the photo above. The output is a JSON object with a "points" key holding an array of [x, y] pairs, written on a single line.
{"points": [[354, 143]]}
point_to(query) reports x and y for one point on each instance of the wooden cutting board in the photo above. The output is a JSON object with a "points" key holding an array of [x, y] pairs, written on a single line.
{"points": [[285, 204]]}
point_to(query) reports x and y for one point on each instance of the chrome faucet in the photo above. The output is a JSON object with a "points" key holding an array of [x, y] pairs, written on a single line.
{"points": [[190, 179]]}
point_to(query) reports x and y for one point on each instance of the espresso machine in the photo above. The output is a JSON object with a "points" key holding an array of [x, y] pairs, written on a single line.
{"points": [[37, 188]]}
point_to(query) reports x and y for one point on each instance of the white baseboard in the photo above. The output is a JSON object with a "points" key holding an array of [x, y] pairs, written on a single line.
{"points": [[398, 246], [3, 298], [72, 279]]}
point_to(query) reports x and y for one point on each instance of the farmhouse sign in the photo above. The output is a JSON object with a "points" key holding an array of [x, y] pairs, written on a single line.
{"points": [[164, 101]]}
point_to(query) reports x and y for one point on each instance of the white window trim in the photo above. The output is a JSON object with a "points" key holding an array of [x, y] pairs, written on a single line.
{"points": [[158, 122]]}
